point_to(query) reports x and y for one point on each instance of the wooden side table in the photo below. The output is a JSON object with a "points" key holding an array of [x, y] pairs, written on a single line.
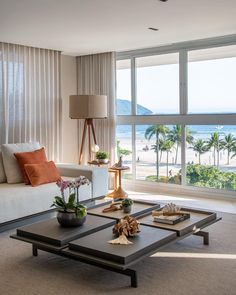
{"points": [[115, 172], [96, 163], [118, 193]]}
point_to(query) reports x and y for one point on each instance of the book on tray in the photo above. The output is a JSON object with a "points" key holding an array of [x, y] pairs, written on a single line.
{"points": [[173, 219]]}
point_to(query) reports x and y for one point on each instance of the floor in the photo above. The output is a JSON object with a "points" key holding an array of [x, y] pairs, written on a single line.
{"points": [[227, 206], [199, 269]]}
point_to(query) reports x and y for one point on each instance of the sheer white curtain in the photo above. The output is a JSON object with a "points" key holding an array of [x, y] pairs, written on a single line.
{"points": [[30, 100], [96, 75]]}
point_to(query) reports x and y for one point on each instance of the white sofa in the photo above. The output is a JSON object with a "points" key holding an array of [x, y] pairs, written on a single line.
{"points": [[19, 200]]}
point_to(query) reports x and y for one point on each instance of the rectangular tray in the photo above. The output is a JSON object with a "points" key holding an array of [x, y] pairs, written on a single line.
{"points": [[198, 218], [52, 233], [96, 244], [138, 208]]}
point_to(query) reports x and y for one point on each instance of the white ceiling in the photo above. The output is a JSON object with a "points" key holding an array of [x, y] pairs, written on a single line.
{"points": [[79, 27]]}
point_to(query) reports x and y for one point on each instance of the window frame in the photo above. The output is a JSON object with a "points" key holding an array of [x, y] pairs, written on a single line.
{"points": [[183, 118]]}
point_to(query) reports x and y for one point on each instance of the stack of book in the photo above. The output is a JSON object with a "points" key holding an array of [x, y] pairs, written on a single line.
{"points": [[171, 219]]}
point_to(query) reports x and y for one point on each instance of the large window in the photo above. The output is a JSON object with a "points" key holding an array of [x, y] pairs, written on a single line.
{"points": [[124, 147], [158, 153], [179, 127], [158, 84], [123, 87], [211, 156], [211, 80]]}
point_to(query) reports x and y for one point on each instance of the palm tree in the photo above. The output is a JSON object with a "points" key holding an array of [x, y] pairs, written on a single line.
{"points": [[176, 137], [228, 143], [234, 152], [167, 146], [121, 151], [156, 130], [214, 142], [201, 147], [161, 146]]}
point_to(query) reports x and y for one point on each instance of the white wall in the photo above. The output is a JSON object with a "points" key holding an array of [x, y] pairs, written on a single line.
{"points": [[69, 126]]}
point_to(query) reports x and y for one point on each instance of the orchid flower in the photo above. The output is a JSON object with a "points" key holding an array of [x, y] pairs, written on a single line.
{"points": [[73, 184]]}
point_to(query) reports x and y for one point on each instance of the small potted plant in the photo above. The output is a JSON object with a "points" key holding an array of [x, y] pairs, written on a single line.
{"points": [[102, 157], [70, 211], [127, 205]]}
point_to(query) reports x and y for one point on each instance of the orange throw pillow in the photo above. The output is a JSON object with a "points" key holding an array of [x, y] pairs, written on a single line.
{"points": [[42, 173], [34, 157]]}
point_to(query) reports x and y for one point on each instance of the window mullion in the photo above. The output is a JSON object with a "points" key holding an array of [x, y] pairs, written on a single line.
{"points": [[133, 112], [183, 155], [133, 152], [183, 77], [183, 94], [133, 87]]}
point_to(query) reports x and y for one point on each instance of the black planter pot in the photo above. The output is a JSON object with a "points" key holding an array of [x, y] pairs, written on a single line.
{"points": [[127, 209], [69, 219]]}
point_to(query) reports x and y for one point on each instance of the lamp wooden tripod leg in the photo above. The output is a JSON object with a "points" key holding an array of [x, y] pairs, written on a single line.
{"points": [[88, 124]]}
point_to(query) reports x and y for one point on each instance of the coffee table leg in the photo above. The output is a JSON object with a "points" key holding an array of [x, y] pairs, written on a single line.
{"points": [[133, 277], [205, 236], [34, 250]]}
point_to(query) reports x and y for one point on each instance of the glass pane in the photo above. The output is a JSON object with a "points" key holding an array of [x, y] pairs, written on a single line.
{"points": [[158, 84], [124, 147], [158, 153], [123, 87], [211, 80], [211, 156]]}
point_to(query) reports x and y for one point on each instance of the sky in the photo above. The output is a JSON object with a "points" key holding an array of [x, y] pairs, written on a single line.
{"points": [[211, 87]]}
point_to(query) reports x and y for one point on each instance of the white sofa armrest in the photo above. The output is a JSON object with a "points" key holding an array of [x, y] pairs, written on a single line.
{"points": [[97, 175]]}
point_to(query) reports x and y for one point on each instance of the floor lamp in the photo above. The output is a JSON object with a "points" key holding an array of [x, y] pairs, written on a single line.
{"points": [[88, 107]]}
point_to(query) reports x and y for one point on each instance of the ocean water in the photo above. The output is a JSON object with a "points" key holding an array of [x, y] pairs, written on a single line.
{"points": [[197, 131]]}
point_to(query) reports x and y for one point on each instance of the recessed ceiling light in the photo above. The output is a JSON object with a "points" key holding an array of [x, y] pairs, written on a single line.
{"points": [[153, 29], [163, 0]]}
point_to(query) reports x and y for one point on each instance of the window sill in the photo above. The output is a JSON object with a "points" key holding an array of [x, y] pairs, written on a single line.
{"points": [[181, 190]]}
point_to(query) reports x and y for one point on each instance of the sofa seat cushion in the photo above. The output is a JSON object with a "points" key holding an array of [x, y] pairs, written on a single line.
{"points": [[11, 166], [20, 200]]}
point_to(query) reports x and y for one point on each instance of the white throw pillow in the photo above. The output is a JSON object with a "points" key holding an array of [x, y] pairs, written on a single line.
{"points": [[11, 166], [2, 171]]}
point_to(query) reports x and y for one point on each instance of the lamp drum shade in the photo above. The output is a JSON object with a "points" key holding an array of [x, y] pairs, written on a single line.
{"points": [[88, 106]]}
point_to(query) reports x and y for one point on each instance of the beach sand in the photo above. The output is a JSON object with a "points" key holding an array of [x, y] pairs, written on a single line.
{"points": [[145, 160]]}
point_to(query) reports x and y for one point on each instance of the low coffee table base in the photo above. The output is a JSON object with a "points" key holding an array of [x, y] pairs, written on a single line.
{"points": [[80, 245], [127, 272], [204, 235]]}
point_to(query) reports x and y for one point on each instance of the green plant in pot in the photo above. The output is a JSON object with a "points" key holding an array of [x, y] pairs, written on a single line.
{"points": [[127, 205], [102, 157], [70, 211]]}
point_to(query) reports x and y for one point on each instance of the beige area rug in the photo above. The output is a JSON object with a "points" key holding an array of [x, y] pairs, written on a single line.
{"points": [[187, 267]]}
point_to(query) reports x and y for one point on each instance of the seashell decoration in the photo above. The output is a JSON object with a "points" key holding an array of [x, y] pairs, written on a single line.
{"points": [[121, 240], [125, 227], [171, 208]]}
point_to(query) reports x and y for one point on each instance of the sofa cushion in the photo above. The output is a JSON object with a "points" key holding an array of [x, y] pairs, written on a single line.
{"points": [[97, 175], [35, 157], [42, 173], [11, 166], [20, 200], [2, 171]]}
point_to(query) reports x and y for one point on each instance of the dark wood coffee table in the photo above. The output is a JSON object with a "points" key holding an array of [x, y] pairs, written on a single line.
{"points": [[89, 243], [50, 232], [138, 208]]}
